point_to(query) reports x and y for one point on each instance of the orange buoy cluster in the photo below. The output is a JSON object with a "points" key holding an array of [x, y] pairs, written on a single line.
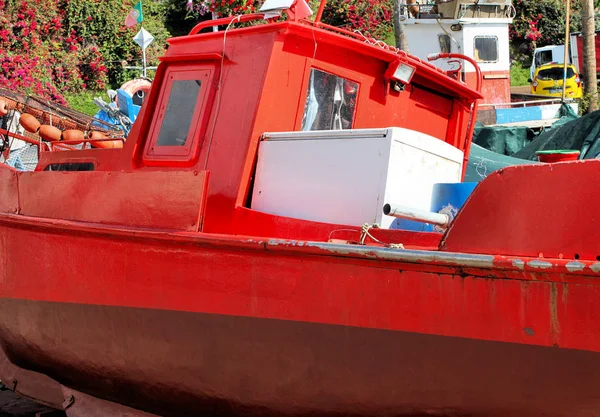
{"points": [[73, 136], [75, 133]]}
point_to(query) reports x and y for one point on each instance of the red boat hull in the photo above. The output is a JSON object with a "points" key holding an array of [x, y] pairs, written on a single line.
{"points": [[177, 363], [176, 325]]}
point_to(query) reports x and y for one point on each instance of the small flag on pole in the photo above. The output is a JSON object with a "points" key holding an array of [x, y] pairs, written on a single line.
{"points": [[135, 16]]}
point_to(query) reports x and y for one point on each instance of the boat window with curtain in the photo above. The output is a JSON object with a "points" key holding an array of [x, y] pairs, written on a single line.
{"points": [[330, 102]]}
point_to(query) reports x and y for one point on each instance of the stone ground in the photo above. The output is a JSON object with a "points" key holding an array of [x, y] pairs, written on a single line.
{"points": [[13, 405], [522, 89]]}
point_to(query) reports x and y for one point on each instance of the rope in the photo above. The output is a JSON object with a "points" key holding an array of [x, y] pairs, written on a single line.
{"points": [[365, 231]]}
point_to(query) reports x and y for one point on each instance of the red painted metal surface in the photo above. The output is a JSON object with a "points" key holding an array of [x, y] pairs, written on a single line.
{"points": [[332, 369], [9, 192], [154, 276], [537, 211], [89, 406], [30, 384], [302, 282], [495, 87], [163, 200], [375, 313]]}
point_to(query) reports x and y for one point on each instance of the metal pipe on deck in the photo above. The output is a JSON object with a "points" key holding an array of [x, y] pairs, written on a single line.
{"points": [[424, 216]]}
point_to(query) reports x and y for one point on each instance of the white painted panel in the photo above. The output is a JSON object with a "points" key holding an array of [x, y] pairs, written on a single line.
{"points": [[498, 30], [328, 180], [345, 177], [422, 37], [416, 164], [423, 40]]}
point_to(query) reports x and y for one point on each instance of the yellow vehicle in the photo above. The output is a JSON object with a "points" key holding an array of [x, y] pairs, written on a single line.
{"points": [[548, 81]]}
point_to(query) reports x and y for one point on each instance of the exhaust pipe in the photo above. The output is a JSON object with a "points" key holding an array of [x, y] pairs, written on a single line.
{"points": [[423, 216]]}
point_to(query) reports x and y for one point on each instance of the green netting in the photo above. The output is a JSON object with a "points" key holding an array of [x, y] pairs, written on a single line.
{"points": [[496, 147], [581, 134], [502, 140], [482, 162], [510, 140]]}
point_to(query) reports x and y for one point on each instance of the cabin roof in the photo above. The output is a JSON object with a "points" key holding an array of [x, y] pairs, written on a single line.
{"points": [[426, 74]]}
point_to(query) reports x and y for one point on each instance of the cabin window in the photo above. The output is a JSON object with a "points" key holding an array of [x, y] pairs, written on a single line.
{"points": [[444, 40], [543, 57], [486, 48], [178, 115], [181, 112], [330, 102]]}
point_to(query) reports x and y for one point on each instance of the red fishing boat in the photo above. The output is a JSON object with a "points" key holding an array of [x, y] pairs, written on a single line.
{"points": [[224, 259]]}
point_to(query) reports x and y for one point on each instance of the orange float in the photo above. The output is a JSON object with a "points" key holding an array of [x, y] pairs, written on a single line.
{"points": [[50, 133], [74, 136], [104, 144], [29, 123]]}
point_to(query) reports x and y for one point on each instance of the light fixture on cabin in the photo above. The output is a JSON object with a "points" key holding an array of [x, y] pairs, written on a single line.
{"points": [[457, 27], [400, 72]]}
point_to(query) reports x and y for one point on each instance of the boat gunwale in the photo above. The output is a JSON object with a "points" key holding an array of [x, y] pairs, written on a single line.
{"points": [[491, 266]]}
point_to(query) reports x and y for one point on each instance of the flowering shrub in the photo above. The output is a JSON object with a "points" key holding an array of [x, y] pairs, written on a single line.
{"points": [[51, 47], [542, 22], [370, 17]]}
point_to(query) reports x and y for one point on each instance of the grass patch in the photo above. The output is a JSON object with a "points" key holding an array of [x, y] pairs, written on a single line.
{"points": [[390, 38], [84, 102], [519, 74]]}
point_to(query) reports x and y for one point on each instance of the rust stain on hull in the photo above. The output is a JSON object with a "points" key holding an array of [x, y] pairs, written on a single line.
{"points": [[554, 323]]}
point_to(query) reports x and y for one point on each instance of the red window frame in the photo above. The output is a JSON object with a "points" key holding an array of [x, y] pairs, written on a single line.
{"points": [[155, 154]]}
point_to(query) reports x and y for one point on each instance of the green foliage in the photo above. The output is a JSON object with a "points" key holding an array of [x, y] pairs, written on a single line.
{"points": [[84, 101], [55, 47], [542, 22], [179, 20], [584, 103], [519, 74], [102, 23], [370, 17]]}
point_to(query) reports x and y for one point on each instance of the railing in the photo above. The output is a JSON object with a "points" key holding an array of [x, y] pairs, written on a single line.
{"points": [[527, 103], [25, 154], [458, 9]]}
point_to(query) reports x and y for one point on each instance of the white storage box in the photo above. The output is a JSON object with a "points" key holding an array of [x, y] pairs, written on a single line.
{"points": [[346, 176]]}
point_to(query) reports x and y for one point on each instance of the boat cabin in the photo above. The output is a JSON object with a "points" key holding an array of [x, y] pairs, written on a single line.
{"points": [[478, 29], [190, 161]]}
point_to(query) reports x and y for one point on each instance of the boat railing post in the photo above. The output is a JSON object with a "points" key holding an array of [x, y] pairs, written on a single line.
{"points": [[320, 11]]}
